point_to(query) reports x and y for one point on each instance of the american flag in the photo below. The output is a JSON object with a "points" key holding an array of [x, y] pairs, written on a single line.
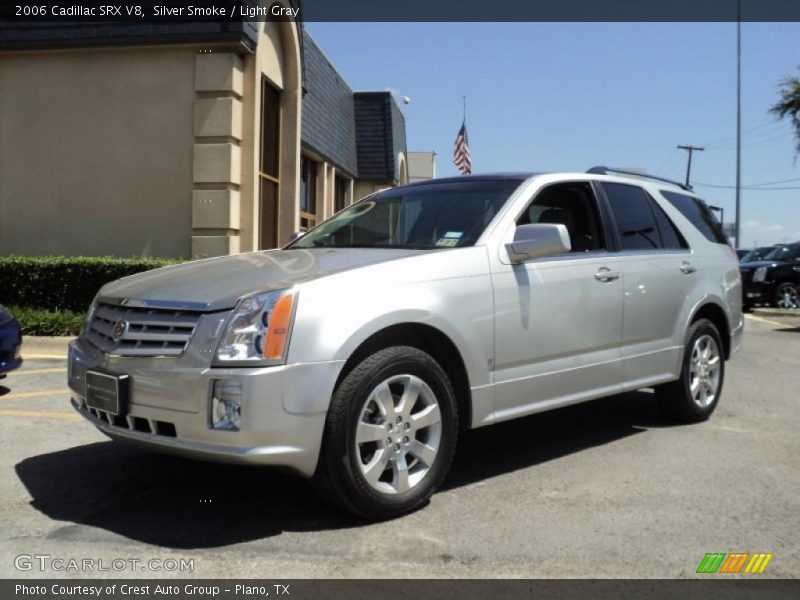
{"points": [[461, 158]]}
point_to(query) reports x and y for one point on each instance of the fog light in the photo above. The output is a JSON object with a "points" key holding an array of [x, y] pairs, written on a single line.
{"points": [[226, 405]]}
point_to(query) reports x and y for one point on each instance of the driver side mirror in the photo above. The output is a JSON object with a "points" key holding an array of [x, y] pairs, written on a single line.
{"points": [[537, 240]]}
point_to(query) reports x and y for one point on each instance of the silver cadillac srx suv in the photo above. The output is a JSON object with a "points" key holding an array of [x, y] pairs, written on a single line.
{"points": [[356, 354]]}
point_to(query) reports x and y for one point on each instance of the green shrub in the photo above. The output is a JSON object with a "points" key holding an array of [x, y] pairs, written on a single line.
{"points": [[59, 283], [47, 322]]}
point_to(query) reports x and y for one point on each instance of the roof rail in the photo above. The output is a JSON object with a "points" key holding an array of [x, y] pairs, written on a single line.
{"points": [[607, 170]]}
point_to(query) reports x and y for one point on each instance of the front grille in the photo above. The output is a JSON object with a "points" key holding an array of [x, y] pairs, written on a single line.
{"points": [[139, 424], [129, 331], [747, 275]]}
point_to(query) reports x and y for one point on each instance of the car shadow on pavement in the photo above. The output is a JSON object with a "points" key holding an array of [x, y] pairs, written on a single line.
{"points": [[789, 329], [179, 503], [522, 443], [171, 501]]}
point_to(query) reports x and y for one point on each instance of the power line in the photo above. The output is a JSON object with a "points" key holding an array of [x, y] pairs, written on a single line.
{"points": [[774, 182], [743, 187]]}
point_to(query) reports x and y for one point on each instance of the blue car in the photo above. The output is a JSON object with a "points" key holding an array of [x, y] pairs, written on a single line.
{"points": [[10, 342]]}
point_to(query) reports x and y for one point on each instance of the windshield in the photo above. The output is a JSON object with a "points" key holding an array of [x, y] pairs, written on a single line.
{"points": [[788, 253], [429, 216], [757, 254]]}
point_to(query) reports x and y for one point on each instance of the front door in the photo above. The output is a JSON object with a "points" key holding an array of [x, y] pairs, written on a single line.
{"points": [[558, 320]]}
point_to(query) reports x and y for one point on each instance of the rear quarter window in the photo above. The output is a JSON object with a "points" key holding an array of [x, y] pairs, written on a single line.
{"points": [[698, 213]]}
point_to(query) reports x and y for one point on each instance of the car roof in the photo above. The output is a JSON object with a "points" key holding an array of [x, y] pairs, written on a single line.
{"points": [[510, 176], [520, 176]]}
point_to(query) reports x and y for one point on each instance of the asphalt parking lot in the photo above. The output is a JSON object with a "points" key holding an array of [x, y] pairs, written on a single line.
{"points": [[604, 489]]}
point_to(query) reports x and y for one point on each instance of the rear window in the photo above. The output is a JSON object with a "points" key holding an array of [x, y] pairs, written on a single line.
{"points": [[698, 214], [636, 224]]}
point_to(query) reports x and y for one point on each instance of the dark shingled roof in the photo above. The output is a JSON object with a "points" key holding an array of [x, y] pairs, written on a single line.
{"points": [[25, 35], [380, 136], [328, 127]]}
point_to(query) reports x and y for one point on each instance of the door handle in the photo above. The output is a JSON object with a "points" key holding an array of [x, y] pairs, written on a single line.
{"points": [[606, 274], [687, 269]]}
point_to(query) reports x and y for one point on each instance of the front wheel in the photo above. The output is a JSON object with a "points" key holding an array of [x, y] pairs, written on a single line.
{"points": [[786, 296], [694, 396], [390, 434]]}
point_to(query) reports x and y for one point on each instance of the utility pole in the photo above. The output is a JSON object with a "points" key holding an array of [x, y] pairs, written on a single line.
{"points": [[690, 149], [738, 118]]}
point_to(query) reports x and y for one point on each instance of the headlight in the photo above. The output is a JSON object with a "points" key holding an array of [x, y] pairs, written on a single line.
{"points": [[258, 332], [760, 274], [88, 320]]}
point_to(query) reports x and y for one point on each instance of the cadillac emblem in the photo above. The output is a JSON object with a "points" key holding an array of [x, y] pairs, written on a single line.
{"points": [[120, 329]]}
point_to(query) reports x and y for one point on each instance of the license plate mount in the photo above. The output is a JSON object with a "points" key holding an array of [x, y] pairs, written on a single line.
{"points": [[107, 392]]}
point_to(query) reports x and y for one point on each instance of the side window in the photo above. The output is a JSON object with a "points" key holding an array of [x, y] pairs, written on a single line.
{"points": [[699, 214], [572, 205], [636, 224], [671, 238]]}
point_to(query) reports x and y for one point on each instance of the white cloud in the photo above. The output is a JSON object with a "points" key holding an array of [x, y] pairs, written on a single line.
{"points": [[758, 233]]}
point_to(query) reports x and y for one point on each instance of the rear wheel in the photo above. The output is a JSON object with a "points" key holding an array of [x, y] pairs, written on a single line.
{"points": [[694, 396], [390, 434], [786, 296]]}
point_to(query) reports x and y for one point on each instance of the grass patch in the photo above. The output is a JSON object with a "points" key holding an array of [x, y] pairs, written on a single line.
{"points": [[36, 321]]}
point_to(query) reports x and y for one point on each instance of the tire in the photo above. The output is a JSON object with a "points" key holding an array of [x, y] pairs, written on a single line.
{"points": [[372, 432], [786, 295], [703, 365]]}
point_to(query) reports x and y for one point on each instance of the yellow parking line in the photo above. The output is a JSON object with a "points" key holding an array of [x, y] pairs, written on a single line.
{"points": [[37, 371], [35, 356], [763, 320], [21, 395], [47, 414]]}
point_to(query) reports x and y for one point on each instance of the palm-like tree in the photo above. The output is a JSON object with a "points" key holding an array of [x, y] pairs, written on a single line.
{"points": [[788, 107]]}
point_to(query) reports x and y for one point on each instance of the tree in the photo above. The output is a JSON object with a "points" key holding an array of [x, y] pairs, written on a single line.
{"points": [[789, 106]]}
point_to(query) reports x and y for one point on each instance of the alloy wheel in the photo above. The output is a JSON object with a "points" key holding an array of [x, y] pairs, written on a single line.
{"points": [[704, 370], [398, 434]]}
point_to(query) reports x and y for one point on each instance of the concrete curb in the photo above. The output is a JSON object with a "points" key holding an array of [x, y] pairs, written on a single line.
{"points": [[35, 346]]}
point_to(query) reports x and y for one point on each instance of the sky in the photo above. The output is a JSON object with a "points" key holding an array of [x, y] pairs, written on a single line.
{"points": [[569, 96]]}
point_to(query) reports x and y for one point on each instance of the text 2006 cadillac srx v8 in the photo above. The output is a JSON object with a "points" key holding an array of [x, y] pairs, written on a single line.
{"points": [[356, 354]]}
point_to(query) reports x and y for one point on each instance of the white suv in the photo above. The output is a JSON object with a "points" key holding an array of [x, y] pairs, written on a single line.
{"points": [[356, 354]]}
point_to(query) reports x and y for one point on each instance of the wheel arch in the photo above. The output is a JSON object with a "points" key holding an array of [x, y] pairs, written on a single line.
{"points": [[716, 314], [431, 340]]}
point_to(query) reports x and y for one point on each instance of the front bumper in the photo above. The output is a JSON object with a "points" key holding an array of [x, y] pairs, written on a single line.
{"points": [[758, 293], [169, 410]]}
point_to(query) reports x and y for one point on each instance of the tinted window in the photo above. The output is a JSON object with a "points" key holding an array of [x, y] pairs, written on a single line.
{"points": [[698, 214], [572, 205], [636, 224], [671, 238], [787, 253]]}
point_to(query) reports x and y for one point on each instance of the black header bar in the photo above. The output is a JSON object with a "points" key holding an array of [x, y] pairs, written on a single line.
{"points": [[143, 11]]}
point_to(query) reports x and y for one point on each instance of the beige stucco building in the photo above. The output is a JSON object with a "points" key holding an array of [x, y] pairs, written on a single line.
{"points": [[179, 143]]}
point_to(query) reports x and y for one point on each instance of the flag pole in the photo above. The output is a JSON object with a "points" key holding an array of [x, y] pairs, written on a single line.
{"points": [[465, 108]]}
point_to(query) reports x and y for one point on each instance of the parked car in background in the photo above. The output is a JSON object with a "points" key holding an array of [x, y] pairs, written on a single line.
{"points": [[773, 280], [754, 254], [356, 354], [742, 252], [10, 342]]}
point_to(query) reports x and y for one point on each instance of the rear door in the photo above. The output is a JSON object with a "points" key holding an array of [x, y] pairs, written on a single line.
{"points": [[660, 279]]}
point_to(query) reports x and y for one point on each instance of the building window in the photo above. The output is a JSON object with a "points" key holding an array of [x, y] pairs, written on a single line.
{"points": [[270, 159], [340, 190], [308, 193]]}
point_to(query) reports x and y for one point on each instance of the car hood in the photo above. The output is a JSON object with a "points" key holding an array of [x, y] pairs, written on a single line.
{"points": [[218, 283], [761, 263]]}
